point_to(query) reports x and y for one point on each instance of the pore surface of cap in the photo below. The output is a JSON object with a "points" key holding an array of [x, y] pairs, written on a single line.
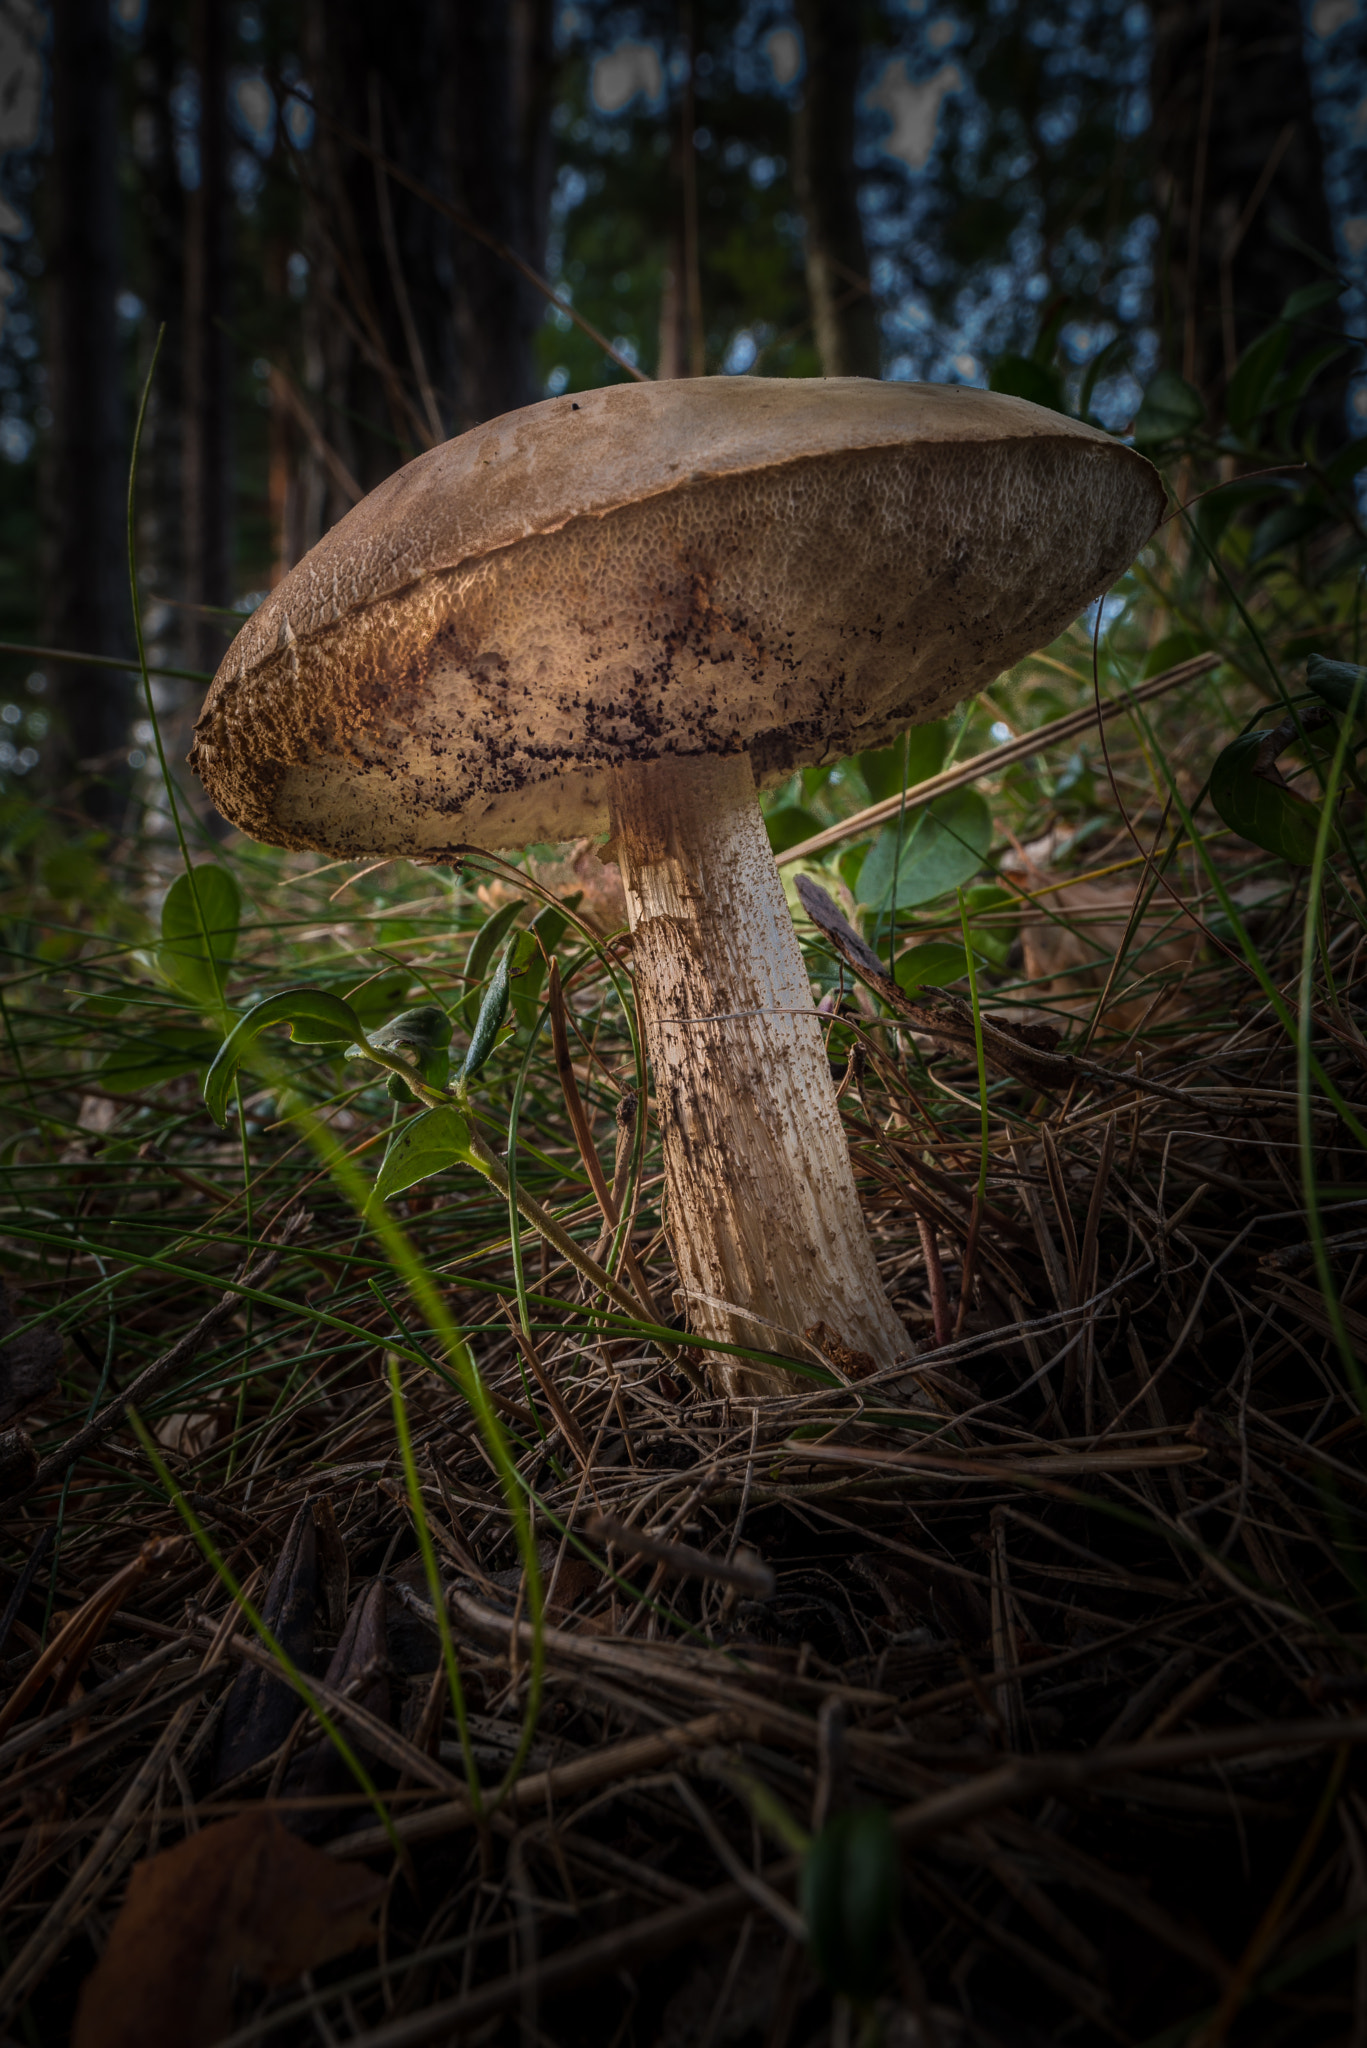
{"points": [[797, 567]]}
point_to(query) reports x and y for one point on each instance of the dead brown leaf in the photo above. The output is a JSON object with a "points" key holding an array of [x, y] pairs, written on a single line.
{"points": [[65, 1655], [1068, 954], [244, 1901], [191, 1433], [576, 870]]}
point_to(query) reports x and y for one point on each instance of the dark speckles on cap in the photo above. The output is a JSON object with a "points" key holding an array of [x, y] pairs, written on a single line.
{"points": [[471, 652]]}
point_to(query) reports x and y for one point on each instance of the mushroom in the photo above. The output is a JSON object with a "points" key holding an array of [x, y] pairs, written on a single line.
{"points": [[635, 608]]}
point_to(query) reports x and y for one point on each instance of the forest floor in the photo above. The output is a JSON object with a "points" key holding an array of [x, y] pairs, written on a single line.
{"points": [[1069, 1610]]}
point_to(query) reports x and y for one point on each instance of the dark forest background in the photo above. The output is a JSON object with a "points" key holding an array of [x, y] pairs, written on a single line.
{"points": [[339, 214]]}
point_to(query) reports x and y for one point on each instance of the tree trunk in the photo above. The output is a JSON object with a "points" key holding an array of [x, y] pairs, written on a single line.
{"points": [[672, 359], [843, 311], [1237, 163], [501, 82], [765, 1224], [87, 604], [207, 472], [413, 331], [159, 281]]}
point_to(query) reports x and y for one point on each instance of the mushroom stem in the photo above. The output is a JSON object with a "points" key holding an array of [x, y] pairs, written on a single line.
{"points": [[765, 1224]]}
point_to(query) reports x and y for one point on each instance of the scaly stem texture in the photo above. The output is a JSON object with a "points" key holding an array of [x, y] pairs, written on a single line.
{"points": [[763, 1217]]}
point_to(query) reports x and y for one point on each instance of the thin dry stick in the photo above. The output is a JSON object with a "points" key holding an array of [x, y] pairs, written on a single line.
{"points": [[470, 226], [1021, 749], [932, 1816], [398, 283], [1265, 1934], [1087, 1266], [531, 1794], [753, 1578], [564, 1417], [935, 1282], [116, 1845], [583, 1138], [155, 1376], [70, 1648], [285, 392], [1198, 192]]}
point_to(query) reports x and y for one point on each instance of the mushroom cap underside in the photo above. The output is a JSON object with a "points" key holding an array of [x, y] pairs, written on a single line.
{"points": [[840, 559]]}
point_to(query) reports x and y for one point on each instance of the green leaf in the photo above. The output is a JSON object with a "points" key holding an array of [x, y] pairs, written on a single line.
{"points": [[1256, 803], [987, 896], [550, 926], [942, 847], [422, 1146], [424, 1030], [849, 866], [1170, 410], [1019, 377], [1283, 528], [1172, 648], [143, 1063], [322, 1016], [526, 972], [422, 1037], [1295, 382], [488, 1024], [992, 941], [1250, 387], [487, 941], [372, 1003], [934, 964], [849, 1900], [919, 754], [1310, 298], [183, 957], [789, 825], [1339, 684]]}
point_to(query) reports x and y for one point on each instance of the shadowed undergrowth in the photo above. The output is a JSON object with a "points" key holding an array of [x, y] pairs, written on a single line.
{"points": [[584, 1659]]}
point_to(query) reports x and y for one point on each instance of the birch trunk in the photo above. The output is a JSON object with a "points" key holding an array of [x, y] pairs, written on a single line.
{"points": [[763, 1217]]}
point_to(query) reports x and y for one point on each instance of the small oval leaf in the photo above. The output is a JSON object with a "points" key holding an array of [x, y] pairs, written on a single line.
{"points": [[1342, 685], [932, 965], [422, 1038], [1250, 388], [919, 754], [942, 846], [1260, 806], [789, 824], [1170, 410], [312, 1008], [492, 1011], [426, 1029], [483, 947], [1311, 297], [183, 956], [425, 1145]]}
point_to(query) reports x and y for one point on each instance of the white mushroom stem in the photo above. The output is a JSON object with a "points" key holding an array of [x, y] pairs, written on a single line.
{"points": [[762, 1212]]}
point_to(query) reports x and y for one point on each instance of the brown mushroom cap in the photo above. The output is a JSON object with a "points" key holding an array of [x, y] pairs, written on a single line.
{"points": [[799, 568]]}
